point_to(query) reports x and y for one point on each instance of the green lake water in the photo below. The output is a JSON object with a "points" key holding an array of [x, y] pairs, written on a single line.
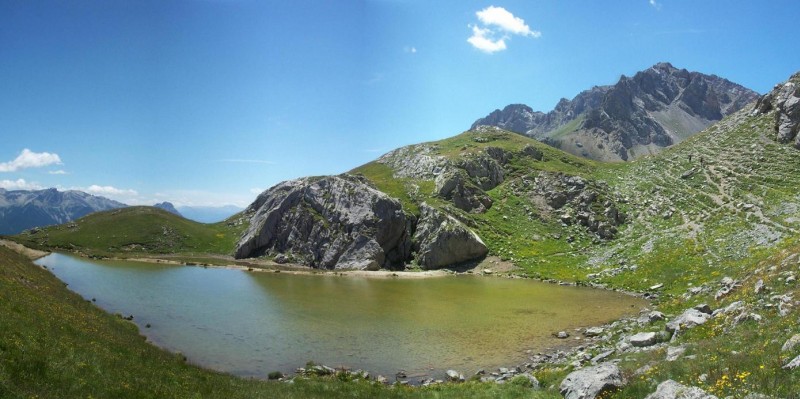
{"points": [[251, 323]]}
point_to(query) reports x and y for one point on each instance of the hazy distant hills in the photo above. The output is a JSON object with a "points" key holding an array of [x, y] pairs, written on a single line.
{"points": [[209, 214], [638, 115], [21, 210]]}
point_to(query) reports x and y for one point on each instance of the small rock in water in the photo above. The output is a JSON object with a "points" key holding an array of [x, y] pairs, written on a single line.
{"points": [[453, 375]]}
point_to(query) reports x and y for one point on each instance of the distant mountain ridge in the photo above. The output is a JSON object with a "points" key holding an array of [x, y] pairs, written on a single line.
{"points": [[167, 206], [638, 115], [21, 210]]}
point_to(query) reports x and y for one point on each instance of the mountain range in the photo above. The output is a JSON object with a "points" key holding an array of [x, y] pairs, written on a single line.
{"points": [[637, 116], [21, 210]]}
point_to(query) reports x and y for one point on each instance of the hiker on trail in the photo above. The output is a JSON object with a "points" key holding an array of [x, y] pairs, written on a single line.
{"points": [[690, 158], [702, 162]]}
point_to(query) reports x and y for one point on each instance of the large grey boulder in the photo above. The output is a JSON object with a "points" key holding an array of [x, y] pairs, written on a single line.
{"points": [[332, 222], [643, 339], [441, 240], [591, 382], [670, 389]]}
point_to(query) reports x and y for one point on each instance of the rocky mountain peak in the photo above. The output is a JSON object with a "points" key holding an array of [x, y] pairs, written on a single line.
{"points": [[167, 206], [638, 115]]}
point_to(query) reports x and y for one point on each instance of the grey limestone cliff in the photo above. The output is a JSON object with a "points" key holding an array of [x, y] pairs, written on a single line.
{"points": [[784, 101]]}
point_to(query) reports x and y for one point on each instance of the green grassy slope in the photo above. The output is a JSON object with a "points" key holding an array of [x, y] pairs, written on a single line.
{"points": [[136, 231], [54, 344]]}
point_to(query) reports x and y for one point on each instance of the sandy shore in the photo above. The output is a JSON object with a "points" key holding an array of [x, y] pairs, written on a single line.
{"points": [[33, 254]]}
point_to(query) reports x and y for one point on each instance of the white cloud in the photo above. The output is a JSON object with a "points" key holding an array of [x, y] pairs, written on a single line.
{"points": [[655, 4], [506, 21], [30, 159], [412, 50], [498, 24], [110, 191], [480, 40], [58, 172], [19, 184]]}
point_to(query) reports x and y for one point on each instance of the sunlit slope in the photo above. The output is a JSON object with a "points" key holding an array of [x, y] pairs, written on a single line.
{"points": [[135, 230]]}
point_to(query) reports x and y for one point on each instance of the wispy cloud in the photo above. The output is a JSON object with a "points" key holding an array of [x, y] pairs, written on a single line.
{"points": [[58, 172], [261, 161], [19, 184], [410, 50], [256, 190], [655, 4], [110, 191], [498, 24], [30, 159]]}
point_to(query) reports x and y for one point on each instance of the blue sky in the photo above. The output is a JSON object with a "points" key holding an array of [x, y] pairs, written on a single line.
{"points": [[209, 102]]}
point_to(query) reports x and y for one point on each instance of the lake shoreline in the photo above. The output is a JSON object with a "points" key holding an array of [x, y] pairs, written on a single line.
{"points": [[527, 362]]}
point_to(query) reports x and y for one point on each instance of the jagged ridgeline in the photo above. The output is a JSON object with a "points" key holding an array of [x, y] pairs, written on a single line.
{"points": [[436, 204], [639, 115]]}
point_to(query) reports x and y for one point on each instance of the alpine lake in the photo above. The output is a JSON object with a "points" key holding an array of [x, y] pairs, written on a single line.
{"points": [[252, 323]]}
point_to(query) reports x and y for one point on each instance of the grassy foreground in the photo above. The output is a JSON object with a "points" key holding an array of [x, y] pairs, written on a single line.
{"points": [[54, 344]]}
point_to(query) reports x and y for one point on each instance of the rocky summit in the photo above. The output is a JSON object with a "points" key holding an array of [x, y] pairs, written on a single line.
{"points": [[784, 102], [638, 115]]}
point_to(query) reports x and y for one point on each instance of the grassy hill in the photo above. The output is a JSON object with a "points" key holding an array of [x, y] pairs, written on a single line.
{"points": [[135, 231]]}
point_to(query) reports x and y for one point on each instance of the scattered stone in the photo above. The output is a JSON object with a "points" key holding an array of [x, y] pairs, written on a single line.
{"points": [[602, 356], [281, 259], [454, 376], [655, 316], [704, 307], [689, 173], [792, 364], [591, 382], [675, 352], [791, 343], [562, 335], [657, 286], [670, 389], [643, 339], [688, 319], [593, 331], [759, 286]]}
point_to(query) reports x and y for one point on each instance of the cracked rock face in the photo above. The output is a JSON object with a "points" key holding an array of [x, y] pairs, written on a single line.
{"points": [[333, 222], [784, 99], [441, 240]]}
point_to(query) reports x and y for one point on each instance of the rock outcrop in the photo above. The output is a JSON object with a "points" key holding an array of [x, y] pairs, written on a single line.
{"points": [[592, 382], [784, 100], [441, 240], [334, 222], [637, 116], [465, 183], [575, 200], [343, 222]]}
